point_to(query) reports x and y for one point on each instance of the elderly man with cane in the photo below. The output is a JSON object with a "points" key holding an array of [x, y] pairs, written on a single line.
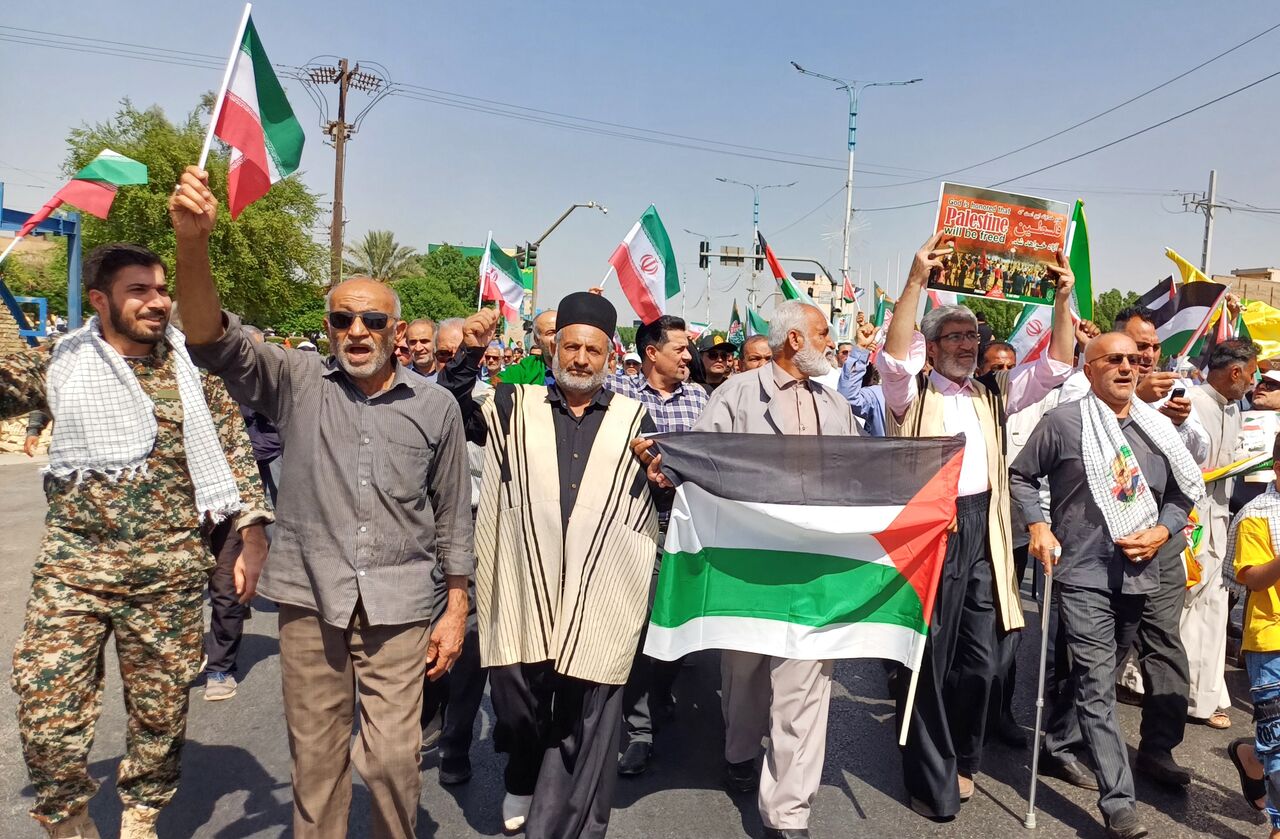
{"points": [[1122, 485]]}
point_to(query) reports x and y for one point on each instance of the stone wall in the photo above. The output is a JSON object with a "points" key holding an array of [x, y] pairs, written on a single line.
{"points": [[13, 433]]}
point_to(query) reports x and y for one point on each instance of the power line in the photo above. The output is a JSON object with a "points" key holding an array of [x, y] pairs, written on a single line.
{"points": [[1086, 121], [1096, 149]]}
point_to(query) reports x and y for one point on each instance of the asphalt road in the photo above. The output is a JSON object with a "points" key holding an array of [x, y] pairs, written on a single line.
{"points": [[236, 763]]}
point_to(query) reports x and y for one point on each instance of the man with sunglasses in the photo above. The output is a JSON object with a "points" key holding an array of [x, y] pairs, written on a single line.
{"points": [[717, 360], [1121, 487], [978, 596], [374, 495]]}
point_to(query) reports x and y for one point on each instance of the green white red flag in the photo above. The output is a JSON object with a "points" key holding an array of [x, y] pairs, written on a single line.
{"points": [[808, 548], [256, 120], [788, 287], [646, 267], [501, 281], [92, 190]]}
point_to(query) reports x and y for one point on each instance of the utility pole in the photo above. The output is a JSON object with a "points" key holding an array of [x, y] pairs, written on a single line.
{"points": [[853, 88], [1205, 202], [755, 229], [377, 85], [704, 261]]}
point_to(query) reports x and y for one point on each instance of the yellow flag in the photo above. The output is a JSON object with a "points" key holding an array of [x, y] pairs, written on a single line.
{"points": [[1190, 273], [1262, 324]]}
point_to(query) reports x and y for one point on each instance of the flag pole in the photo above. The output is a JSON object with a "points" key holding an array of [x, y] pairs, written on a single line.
{"points": [[13, 244], [605, 279], [222, 91], [488, 243], [919, 656], [1204, 325]]}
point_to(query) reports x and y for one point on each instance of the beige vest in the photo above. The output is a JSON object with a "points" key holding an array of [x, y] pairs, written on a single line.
{"points": [[924, 419], [578, 597]]}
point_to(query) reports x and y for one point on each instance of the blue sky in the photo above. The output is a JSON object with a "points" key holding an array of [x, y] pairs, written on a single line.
{"points": [[997, 75]]}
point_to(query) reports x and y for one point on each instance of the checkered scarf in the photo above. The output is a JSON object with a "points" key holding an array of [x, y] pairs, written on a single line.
{"points": [[1265, 506], [1115, 479], [105, 423]]}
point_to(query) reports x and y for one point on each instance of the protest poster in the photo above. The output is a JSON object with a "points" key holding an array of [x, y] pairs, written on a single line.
{"points": [[1003, 243]]}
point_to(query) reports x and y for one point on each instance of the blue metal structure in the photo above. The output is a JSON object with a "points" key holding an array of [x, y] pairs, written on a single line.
{"points": [[42, 319], [68, 226]]}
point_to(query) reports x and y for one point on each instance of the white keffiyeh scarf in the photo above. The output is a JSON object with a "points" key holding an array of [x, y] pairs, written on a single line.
{"points": [[105, 423], [1115, 479], [1265, 506]]}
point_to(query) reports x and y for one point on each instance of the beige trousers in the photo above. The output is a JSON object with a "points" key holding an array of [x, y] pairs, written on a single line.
{"points": [[787, 700], [323, 668]]}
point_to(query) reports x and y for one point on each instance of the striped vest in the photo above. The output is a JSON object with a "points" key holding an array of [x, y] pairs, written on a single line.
{"points": [[925, 419], [577, 597]]}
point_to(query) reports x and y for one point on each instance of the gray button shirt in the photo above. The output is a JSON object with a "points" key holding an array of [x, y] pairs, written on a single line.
{"points": [[1090, 559], [375, 490]]}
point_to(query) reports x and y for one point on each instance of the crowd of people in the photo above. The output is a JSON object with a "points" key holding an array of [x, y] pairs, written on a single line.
{"points": [[997, 276], [496, 517]]}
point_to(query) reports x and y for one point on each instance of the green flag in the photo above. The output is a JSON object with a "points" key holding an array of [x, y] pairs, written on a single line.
{"points": [[756, 325], [736, 336], [1078, 257]]}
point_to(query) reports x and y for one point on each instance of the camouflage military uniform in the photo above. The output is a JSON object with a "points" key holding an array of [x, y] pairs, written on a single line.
{"points": [[127, 557]]}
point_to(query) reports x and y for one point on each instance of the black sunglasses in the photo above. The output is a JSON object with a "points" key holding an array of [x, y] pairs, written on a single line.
{"points": [[375, 321]]}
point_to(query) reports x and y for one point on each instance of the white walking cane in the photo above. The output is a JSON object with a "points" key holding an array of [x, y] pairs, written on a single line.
{"points": [[1030, 821]]}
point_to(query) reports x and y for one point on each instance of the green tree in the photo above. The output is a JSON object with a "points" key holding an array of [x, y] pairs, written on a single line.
{"points": [[1108, 304], [430, 297], [628, 335], [380, 256], [1000, 315], [265, 263], [459, 273]]}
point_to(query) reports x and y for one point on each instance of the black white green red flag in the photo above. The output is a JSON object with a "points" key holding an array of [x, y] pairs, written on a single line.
{"points": [[803, 547]]}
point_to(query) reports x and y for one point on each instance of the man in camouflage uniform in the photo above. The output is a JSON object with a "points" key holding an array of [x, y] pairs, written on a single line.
{"points": [[126, 556]]}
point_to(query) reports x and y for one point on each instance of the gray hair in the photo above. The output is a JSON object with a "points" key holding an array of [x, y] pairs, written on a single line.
{"points": [[449, 323], [788, 317], [934, 319], [428, 321], [395, 313]]}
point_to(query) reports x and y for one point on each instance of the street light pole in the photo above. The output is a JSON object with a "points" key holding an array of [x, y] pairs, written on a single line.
{"points": [[590, 205], [853, 89], [756, 189], [704, 237]]}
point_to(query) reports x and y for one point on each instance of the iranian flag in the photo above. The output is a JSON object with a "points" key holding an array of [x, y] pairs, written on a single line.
{"points": [[255, 119], [91, 190], [807, 547], [501, 282], [646, 267], [1031, 332]]}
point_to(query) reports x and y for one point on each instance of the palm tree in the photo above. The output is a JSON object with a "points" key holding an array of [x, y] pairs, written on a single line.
{"points": [[380, 256]]}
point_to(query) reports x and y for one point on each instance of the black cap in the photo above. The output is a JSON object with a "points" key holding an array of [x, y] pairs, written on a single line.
{"points": [[587, 308], [712, 341]]}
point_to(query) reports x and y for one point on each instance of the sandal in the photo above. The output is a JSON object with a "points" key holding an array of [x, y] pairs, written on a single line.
{"points": [[1253, 789], [1218, 720]]}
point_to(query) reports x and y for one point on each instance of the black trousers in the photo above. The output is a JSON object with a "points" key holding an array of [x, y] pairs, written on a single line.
{"points": [[1006, 676], [649, 683], [560, 738], [226, 624], [457, 694], [1092, 626], [948, 720]]}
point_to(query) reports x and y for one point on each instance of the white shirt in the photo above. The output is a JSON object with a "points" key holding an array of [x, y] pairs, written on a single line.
{"points": [[960, 417]]}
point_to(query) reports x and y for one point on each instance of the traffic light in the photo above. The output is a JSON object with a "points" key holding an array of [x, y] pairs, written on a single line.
{"points": [[531, 255], [704, 254], [520, 256], [759, 257]]}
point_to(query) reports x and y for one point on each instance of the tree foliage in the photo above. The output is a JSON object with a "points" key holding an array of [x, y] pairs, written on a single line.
{"points": [[1108, 304], [445, 285], [380, 256], [1000, 315], [265, 263]]}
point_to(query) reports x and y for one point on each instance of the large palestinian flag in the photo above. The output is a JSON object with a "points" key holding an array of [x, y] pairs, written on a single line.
{"points": [[803, 547], [1181, 322]]}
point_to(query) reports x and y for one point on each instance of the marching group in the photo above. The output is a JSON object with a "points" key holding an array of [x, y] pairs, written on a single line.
{"points": [[442, 511]]}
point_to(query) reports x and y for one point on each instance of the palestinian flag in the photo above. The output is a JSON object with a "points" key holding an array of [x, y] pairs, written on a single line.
{"points": [[756, 325], [847, 291], [940, 298], [255, 119], [646, 267], [501, 282], [884, 308], [1181, 323], [1078, 259], [91, 190], [1164, 293], [788, 287], [803, 547], [735, 335]]}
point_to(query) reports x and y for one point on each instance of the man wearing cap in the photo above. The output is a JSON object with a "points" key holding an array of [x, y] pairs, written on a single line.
{"points": [[565, 538], [717, 360], [631, 364]]}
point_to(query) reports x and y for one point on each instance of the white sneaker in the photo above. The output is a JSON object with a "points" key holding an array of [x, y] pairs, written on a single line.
{"points": [[515, 809]]}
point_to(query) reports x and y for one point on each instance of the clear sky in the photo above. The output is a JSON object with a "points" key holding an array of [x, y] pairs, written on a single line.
{"points": [[997, 75]]}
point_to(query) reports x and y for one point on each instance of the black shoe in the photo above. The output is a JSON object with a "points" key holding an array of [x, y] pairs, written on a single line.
{"points": [[1126, 825], [1162, 769], [741, 777], [920, 808], [1128, 696], [1008, 731], [635, 759], [786, 833], [1072, 771], [455, 770]]}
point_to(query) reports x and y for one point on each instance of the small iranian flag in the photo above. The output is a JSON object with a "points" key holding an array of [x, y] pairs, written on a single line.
{"points": [[808, 547], [255, 119], [646, 267], [500, 281]]}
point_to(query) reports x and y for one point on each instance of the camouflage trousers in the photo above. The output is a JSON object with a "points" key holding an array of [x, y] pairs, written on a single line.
{"points": [[58, 675]]}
